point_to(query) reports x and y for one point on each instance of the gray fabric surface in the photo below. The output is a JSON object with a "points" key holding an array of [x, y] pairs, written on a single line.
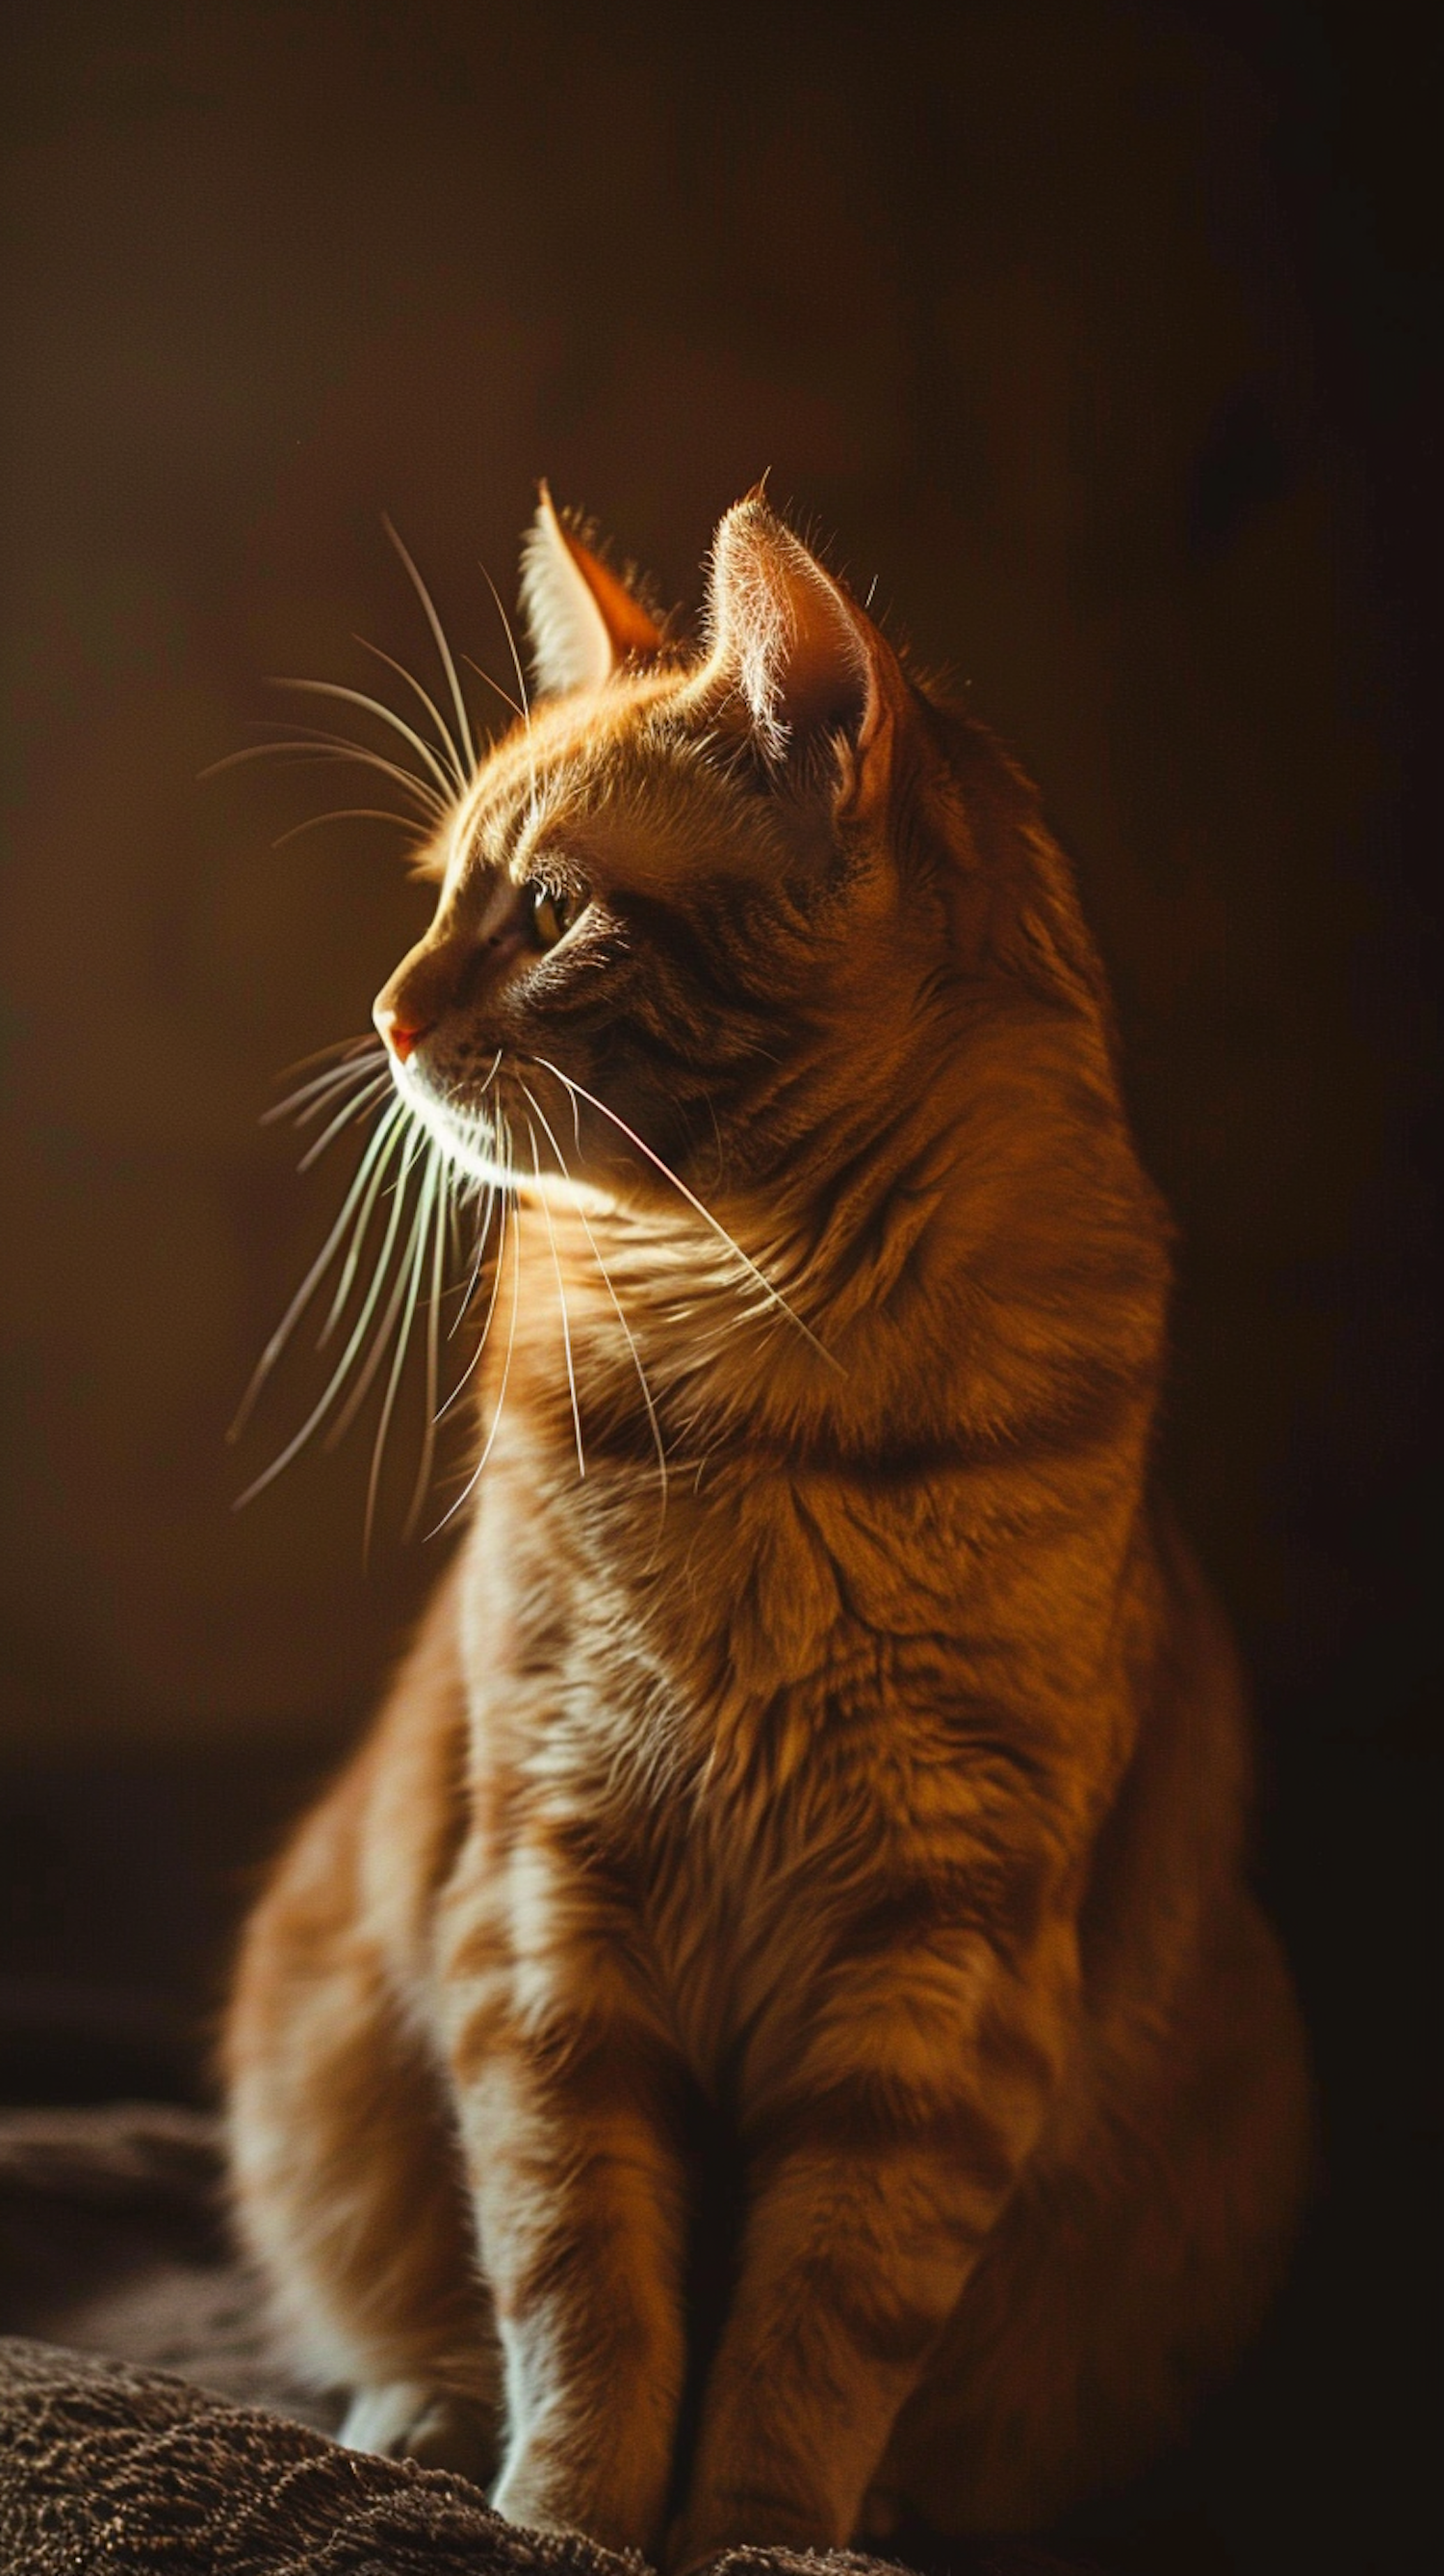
{"points": [[110, 2468], [112, 2240], [147, 2427]]}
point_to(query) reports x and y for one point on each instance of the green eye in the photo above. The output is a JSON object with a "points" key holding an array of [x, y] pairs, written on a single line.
{"points": [[552, 914]]}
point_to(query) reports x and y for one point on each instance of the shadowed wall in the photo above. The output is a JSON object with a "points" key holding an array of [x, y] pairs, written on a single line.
{"points": [[1098, 338]]}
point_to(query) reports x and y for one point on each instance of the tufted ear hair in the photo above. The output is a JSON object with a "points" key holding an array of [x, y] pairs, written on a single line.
{"points": [[805, 660], [581, 621]]}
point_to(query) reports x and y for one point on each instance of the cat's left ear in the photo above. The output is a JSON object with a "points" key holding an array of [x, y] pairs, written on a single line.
{"points": [[806, 661], [582, 622]]}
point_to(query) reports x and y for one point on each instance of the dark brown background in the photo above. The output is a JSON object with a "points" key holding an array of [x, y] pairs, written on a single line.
{"points": [[1104, 338]]}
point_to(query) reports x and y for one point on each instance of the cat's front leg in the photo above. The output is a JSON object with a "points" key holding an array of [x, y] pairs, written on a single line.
{"points": [[870, 2198], [580, 2211]]}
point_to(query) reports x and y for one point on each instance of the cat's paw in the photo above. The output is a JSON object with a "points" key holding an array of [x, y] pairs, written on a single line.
{"points": [[406, 2420]]}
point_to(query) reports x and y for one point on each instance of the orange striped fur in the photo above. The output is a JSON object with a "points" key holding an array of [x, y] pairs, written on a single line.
{"points": [[863, 1799]]}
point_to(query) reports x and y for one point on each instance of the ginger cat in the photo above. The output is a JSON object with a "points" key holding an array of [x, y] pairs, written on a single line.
{"points": [[849, 1765]]}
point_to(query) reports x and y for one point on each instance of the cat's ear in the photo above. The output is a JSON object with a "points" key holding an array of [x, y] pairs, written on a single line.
{"points": [[581, 621], [805, 660]]}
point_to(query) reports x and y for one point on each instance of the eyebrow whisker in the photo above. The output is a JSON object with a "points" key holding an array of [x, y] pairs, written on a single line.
{"points": [[504, 694], [463, 721], [445, 778], [451, 754]]}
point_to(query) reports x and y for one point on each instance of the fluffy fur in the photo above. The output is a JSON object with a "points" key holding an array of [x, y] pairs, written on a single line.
{"points": [[841, 1784]]}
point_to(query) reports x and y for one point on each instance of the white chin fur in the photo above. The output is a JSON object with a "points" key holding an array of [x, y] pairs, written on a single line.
{"points": [[471, 1147]]}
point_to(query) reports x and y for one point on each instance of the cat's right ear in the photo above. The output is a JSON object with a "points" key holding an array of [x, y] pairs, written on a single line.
{"points": [[582, 622], [796, 652]]}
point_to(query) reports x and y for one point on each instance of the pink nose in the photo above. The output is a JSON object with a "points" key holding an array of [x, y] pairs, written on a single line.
{"points": [[402, 1036], [423, 989]]}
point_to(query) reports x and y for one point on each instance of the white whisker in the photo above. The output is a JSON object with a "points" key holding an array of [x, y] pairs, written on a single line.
{"points": [[561, 1295], [345, 814], [362, 1061], [500, 1198], [490, 1196], [360, 1071], [421, 1229], [445, 780], [505, 695], [365, 1099], [774, 1295], [369, 1044], [359, 1231], [506, 628], [433, 1354], [474, 1478], [606, 1277], [343, 1368], [325, 740], [466, 749], [377, 1153], [320, 746], [380, 1344], [450, 752]]}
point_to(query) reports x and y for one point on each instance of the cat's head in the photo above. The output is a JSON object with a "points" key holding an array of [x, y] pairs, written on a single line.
{"points": [[703, 906], [756, 988]]}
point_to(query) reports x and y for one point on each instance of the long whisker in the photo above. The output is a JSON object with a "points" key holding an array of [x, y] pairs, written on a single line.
{"points": [[504, 694], [774, 1295], [370, 1044], [651, 1411], [354, 1069], [384, 714], [464, 1309], [433, 1354], [506, 628], [420, 1233], [606, 1277], [562, 1297], [345, 814], [321, 1095], [377, 1154], [359, 1232], [380, 1341], [501, 1199], [320, 746], [450, 753], [463, 722], [462, 1192], [474, 1478], [318, 739], [343, 1367], [351, 1109], [322, 742]]}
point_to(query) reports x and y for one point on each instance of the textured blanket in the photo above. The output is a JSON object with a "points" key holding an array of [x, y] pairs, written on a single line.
{"points": [[147, 2429]]}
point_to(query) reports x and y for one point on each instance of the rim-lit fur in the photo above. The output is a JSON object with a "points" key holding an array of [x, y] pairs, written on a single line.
{"points": [[859, 1791]]}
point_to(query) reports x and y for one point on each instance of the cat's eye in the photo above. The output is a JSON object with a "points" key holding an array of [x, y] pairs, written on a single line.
{"points": [[552, 913]]}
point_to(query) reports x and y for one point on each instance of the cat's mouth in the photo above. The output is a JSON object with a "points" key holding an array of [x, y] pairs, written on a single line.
{"points": [[473, 1134], [496, 1130]]}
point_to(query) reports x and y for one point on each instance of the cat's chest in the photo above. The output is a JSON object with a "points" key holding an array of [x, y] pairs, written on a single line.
{"points": [[691, 1797], [709, 1909]]}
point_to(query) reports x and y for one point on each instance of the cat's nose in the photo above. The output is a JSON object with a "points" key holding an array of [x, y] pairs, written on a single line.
{"points": [[418, 995], [402, 1036]]}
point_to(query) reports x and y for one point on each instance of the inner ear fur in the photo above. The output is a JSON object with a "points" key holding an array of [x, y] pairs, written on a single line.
{"points": [[582, 622], [788, 637]]}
